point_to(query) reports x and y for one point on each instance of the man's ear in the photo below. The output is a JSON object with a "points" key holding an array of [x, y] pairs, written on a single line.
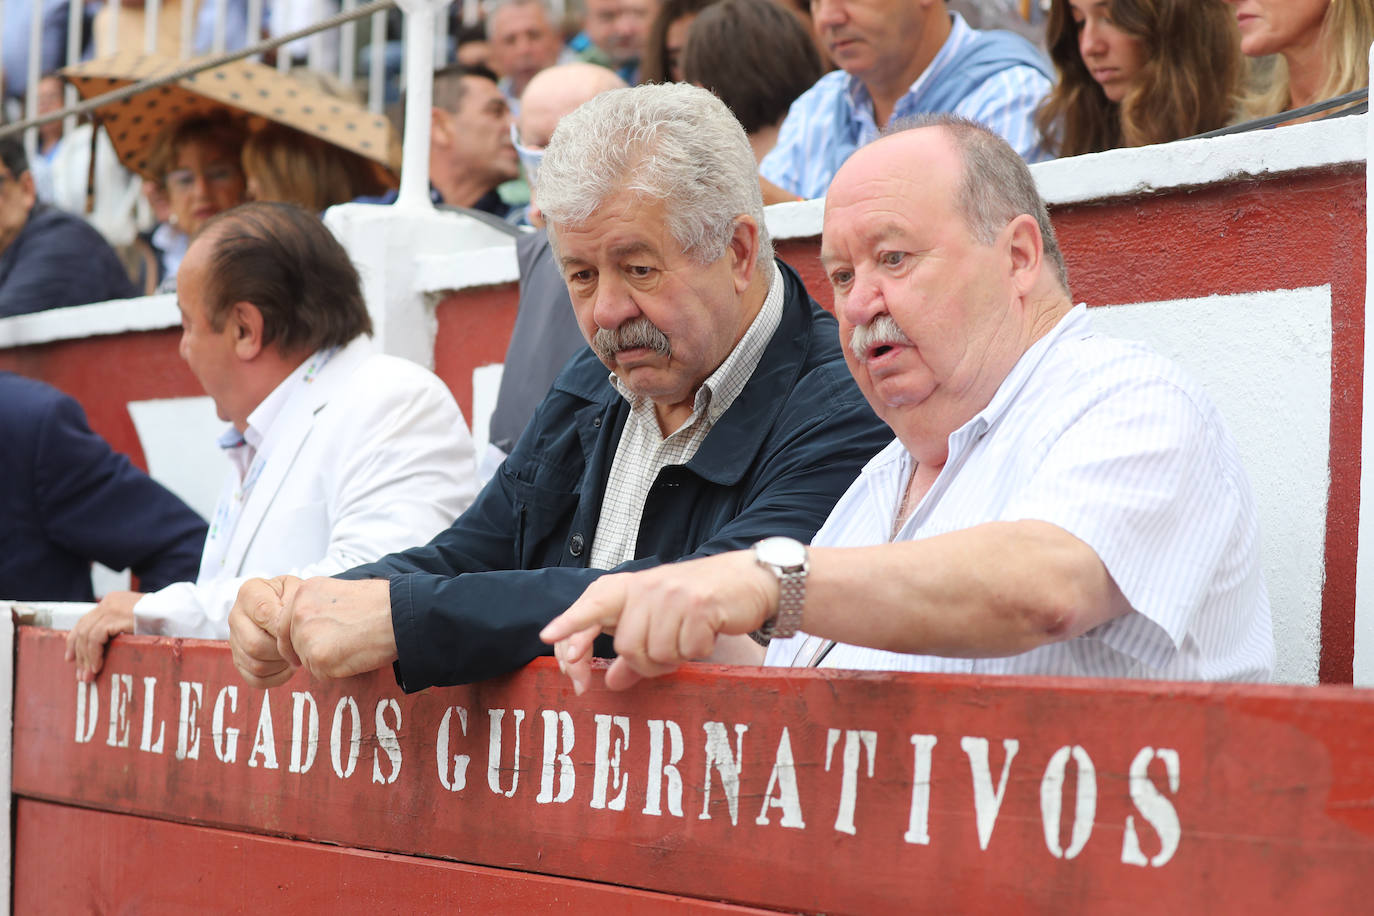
{"points": [[743, 252], [1027, 250], [245, 322], [440, 129], [27, 189]]}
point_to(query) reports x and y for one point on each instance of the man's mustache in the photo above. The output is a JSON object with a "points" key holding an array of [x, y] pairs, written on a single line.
{"points": [[635, 333], [881, 330]]}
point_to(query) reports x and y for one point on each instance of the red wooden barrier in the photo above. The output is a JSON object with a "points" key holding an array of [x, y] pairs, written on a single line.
{"points": [[803, 790]]}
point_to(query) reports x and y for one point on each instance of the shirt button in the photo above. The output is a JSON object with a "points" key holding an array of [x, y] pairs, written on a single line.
{"points": [[575, 545], [597, 422]]}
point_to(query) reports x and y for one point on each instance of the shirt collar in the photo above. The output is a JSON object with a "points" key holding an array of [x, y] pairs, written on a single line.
{"points": [[1074, 324], [861, 103], [722, 386], [265, 414]]}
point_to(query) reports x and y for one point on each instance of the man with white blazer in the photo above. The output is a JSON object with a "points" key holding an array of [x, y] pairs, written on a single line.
{"points": [[339, 455]]}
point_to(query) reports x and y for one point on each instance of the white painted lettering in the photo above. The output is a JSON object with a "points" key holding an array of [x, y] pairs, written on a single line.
{"points": [[387, 742], [188, 726], [305, 733], [494, 752], [784, 777], [658, 769], [87, 710], [1153, 807], [226, 739], [566, 775], [121, 688], [986, 803], [341, 769], [918, 825], [608, 753], [1052, 800], [459, 780], [849, 781], [264, 739], [147, 743], [718, 756]]}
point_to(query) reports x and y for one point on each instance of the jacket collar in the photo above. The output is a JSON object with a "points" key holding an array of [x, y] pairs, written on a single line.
{"points": [[731, 446]]}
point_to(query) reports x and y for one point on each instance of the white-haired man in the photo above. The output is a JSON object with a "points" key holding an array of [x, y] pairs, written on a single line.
{"points": [[728, 415], [1055, 502], [523, 41]]}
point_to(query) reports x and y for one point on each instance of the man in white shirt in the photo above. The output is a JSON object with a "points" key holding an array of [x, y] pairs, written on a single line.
{"points": [[1055, 502], [339, 455]]}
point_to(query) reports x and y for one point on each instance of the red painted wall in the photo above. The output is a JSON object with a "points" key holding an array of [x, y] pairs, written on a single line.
{"points": [[1268, 809]]}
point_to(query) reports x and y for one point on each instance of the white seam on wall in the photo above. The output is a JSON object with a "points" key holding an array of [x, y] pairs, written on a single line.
{"points": [[7, 749], [1364, 559]]}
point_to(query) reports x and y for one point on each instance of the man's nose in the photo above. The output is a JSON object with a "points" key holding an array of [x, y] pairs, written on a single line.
{"points": [[827, 14], [864, 300], [614, 304]]}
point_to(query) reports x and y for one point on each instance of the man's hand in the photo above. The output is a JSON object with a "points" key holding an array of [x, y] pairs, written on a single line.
{"points": [[86, 641], [662, 617], [253, 631], [332, 627]]}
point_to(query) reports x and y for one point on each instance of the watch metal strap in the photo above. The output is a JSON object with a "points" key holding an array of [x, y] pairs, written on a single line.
{"points": [[791, 597]]}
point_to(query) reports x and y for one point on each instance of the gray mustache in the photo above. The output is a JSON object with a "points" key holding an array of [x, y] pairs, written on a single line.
{"points": [[881, 330], [637, 332]]}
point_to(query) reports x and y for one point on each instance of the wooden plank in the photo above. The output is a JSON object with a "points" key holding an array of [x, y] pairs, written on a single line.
{"points": [[74, 860], [818, 791]]}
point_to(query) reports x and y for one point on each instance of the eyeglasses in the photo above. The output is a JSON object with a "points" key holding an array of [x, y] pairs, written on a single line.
{"points": [[529, 157], [184, 180]]}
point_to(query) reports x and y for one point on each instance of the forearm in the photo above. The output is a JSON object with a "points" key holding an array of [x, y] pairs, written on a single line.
{"points": [[997, 589]]}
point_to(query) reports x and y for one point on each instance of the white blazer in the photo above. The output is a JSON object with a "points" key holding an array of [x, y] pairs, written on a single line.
{"points": [[371, 457]]}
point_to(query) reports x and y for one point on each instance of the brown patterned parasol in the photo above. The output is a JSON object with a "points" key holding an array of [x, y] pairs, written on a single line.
{"points": [[243, 87]]}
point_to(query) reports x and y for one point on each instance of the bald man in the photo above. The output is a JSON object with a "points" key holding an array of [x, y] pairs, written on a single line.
{"points": [[1055, 502]]}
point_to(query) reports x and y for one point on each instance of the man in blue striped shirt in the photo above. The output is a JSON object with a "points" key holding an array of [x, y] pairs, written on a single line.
{"points": [[898, 59]]}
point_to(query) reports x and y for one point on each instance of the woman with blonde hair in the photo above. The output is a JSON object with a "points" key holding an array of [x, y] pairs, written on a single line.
{"points": [[284, 164], [1135, 72], [1321, 49]]}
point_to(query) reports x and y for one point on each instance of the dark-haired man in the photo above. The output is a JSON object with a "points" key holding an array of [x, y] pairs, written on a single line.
{"points": [[339, 455], [470, 151], [48, 258]]}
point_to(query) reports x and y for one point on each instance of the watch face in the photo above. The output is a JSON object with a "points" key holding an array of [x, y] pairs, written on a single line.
{"points": [[780, 551]]}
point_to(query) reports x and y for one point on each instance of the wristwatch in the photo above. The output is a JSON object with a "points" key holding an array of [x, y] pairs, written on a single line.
{"points": [[786, 559]]}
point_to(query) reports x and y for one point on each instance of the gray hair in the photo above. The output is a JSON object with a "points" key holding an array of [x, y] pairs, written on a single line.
{"points": [[671, 142], [997, 186], [492, 7]]}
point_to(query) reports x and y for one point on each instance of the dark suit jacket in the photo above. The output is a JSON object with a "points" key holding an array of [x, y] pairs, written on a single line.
{"points": [[56, 260], [67, 499], [545, 337], [471, 603]]}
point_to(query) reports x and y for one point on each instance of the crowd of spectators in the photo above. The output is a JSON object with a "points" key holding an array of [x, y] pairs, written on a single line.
{"points": [[810, 82]]}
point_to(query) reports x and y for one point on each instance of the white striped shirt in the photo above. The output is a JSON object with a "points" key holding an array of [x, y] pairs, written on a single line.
{"points": [[643, 450], [810, 148], [1112, 443]]}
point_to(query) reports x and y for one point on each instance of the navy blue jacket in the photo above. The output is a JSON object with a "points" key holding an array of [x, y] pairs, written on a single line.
{"points": [[56, 260], [470, 604], [67, 499]]}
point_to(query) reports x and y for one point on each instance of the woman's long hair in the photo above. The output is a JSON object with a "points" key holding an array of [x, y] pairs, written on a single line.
{"points": [[1189, 82], [1347, 32]]}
